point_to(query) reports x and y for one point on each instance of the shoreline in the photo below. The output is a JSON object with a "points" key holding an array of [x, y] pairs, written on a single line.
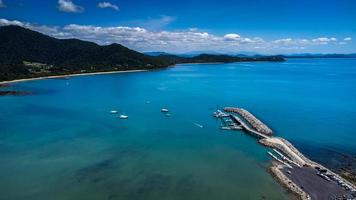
{"points": [[108, 72], [69, 75]]}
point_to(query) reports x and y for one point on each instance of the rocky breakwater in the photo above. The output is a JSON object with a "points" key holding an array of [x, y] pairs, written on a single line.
{"points": [[251, 119]]}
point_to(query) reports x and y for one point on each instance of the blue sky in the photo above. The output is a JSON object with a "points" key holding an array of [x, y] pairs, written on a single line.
{"points": [[274, 26]]}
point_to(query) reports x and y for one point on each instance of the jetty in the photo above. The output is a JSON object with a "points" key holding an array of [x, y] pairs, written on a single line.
{"points": [[303, 177], [247, 128], [250, 118]]}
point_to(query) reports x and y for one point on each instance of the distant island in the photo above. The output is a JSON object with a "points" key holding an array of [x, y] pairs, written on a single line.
{"points": [[28, 54]]}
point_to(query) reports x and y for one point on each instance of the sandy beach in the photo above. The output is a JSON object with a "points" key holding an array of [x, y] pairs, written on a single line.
{"points": [[69, 75]]}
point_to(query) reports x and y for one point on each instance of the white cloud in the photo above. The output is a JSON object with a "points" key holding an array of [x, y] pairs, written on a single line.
{"points": [[301, 42], [108, 5], [69, 6], [154, 23], [232, 36], [2, 4], [347, 39], [140, 38], [143, 39], [5, 22], [236, 39], [193, 29], [324, 40], [54, 31], [285, 41]]}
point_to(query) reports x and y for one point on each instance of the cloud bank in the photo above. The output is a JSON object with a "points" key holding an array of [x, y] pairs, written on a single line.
{"points": [[142, 39]]}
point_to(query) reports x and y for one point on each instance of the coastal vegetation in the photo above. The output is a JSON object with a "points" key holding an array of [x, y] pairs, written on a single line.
{"points": [[27, 54]]}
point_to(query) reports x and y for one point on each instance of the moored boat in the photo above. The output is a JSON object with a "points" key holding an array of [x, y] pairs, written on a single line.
{"points": [[113, 111], [164, 110], [123, 116]]}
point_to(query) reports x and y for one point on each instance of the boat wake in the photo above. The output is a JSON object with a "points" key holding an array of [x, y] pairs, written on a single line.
{"points": [[198, 125]]}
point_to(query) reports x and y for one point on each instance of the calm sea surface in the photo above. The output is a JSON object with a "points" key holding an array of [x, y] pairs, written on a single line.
{"points": [[61, 142]]}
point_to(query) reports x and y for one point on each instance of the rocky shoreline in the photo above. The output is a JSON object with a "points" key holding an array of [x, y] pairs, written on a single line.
{"points": [[276, 172]]}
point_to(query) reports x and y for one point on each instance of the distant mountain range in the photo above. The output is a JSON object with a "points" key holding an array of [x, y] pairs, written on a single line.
{"points": [[254, 54], [310, 55], [197, 53], [209, 58], [25, 53], [156, 53]]}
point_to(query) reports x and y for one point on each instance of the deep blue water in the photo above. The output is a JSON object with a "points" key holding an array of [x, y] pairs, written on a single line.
{"points": [[61, 142]]}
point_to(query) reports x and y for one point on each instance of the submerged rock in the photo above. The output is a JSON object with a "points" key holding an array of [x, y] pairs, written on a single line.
{"points": [[94, 172], [4, 85], [16, 93]]}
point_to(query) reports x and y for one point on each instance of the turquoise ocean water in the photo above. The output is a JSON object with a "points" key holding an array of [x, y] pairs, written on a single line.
{"points": [[61, 142]]}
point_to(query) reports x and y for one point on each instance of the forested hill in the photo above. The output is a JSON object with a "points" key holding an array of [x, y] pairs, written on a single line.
{"points": [[25, 53], [22, 48]]}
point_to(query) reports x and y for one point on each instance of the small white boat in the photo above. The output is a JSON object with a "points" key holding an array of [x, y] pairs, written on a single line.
{"points": [[123, 116], [113, 111], [220, 114], [164, 110]]}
